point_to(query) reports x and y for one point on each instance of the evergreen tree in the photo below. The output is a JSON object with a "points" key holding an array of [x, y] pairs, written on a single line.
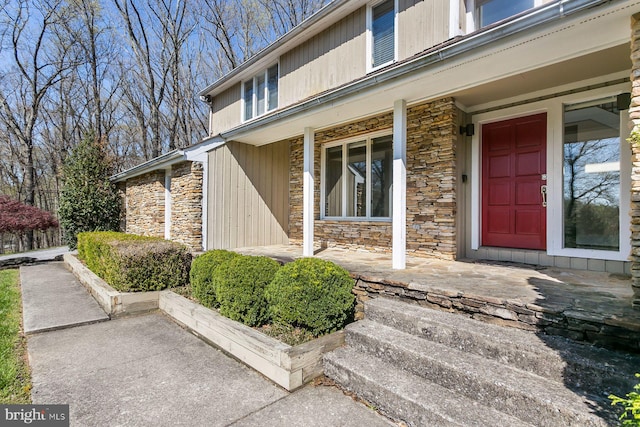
{"points": [[88, 201]]}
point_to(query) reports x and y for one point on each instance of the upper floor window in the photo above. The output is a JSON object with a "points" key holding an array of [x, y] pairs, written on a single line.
{"points": [[358, 177], [260, 94], [382, 33], [491, 11]]}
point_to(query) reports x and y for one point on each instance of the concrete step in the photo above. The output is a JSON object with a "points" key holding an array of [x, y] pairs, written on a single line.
{"points": [[576, 365], [527, 396], [406, 397]]}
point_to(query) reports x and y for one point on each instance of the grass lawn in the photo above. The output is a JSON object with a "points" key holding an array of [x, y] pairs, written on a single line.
{"points": [[15, 379]]}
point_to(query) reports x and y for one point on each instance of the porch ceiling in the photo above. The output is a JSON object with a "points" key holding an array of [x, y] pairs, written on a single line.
{"points": [[568, 51], [593, 65]]}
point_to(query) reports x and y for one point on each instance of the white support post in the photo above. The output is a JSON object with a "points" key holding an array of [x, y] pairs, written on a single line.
{"points": [[167, 203], [399, 184], [307, 193], [205, 200]]}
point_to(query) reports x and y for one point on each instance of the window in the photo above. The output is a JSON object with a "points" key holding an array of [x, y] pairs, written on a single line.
{"points": [[358, 177], [591, 175], [382, 30], [491, 11], [260, 94]]}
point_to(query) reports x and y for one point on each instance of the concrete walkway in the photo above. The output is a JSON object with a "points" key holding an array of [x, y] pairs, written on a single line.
{"points": [[53, 299], [148, 371]]}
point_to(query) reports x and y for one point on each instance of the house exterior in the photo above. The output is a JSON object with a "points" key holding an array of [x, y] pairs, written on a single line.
{"points": [[484, 129], [163, 198]]}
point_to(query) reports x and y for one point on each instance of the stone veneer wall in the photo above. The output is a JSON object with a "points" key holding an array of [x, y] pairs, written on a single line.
{"points": [[598, 328], [634, 115], [186, 204], [432, 135], [145, 204], [431, 180]]}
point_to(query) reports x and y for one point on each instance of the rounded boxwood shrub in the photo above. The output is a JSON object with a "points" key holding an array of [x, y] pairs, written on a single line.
{"points": [[201, 276], [312, 293], [240, 285]]}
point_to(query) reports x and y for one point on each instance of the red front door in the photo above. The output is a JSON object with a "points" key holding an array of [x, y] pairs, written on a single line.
{"points": [[513, 172]]}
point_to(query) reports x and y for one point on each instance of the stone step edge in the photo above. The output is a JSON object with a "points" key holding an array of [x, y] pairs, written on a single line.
{"points": [[604, 330], [540, 391], [385, 378], [504, 342]]}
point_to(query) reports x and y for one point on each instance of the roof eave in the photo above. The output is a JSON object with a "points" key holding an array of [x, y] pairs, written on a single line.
{"points": [[161, 162]]}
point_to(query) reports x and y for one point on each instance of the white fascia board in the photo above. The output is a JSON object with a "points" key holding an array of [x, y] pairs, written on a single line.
{"points": [[161, 162], [200, 151]]}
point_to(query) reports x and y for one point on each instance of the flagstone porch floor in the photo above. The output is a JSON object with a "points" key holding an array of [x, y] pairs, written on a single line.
{"points": [[583, 305]]}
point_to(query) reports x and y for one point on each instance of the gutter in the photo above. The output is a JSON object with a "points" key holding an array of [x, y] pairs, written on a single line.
{"points": [[159, 162], [450, 49]]}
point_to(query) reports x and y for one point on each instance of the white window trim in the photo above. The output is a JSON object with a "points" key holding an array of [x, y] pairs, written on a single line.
{"points": [[472, 17], [368, 137], [369, 42], [555, 123], [254, 98]]}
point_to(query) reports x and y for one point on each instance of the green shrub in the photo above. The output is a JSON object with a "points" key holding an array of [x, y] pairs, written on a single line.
{"points": [[312, 293], [89, 201], [201, 275], [631, 415], [130, 263], [240, 285]]}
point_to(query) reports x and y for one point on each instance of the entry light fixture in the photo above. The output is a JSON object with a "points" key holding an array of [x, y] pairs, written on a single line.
{"points": [[623, 101], [468, 130]]}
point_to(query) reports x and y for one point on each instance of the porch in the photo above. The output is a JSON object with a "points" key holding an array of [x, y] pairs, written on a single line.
{"points": [[582, 305]]}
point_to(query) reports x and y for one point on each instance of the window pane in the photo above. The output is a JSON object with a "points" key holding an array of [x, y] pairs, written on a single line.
{"points": [[260, 94], [333, 182], [357, 179], [383, 33], [273, 87], [248, 99], [496, 10], [592, 176], [381, 176]]}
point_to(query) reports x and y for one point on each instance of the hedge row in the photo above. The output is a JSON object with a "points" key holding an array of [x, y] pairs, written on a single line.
{"points": [[131, 263], [310, 293]]}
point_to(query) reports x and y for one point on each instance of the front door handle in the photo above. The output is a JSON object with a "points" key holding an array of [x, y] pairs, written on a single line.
{"points": [[543, 191]]}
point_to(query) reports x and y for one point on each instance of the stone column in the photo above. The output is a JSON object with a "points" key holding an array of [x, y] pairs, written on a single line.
{"points": [[634, 116]]}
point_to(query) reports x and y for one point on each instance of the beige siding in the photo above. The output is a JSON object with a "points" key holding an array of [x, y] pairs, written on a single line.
{"points": [[334, 57], [226, 110], [248, 195], [421, 25]]}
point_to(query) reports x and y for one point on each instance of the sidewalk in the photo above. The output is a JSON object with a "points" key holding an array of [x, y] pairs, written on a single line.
{"points": [[39, 255], [148, 371]]}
